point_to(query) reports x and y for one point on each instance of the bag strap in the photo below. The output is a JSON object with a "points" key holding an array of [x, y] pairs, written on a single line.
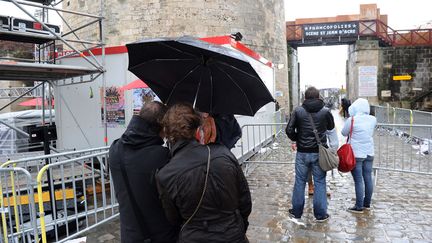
{"points": [[314, 128], [139, 215], [202, 195], [351, 129]]}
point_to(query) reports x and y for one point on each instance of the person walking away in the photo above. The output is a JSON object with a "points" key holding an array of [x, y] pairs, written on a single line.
{"points": [[299, 129], [134, 158], [203, 187], [206, 133], [363, 147]]}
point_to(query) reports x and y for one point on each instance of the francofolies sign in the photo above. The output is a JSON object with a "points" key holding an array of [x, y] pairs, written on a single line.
{"points": [[343, 29]]}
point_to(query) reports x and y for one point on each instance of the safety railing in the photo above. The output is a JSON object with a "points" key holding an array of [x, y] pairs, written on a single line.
{"points": [[81, 196], [75, 192], [387, 114], [18, 215], [35, 163], [396, 150]]}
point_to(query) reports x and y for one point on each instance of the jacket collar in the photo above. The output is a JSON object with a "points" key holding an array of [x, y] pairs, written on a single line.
{"points": [[179, 145]]}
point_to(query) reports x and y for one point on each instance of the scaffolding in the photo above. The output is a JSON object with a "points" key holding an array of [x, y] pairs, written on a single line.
{"points": [[44, 68], [47, 73]]}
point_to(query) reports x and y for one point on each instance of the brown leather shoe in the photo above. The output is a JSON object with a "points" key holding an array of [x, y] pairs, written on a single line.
{"points": [[311, 190]]}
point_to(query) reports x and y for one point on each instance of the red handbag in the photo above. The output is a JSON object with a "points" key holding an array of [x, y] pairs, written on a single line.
{"points": [[347, 160]]}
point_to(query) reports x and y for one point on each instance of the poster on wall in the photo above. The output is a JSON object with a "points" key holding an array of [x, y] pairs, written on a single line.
{"points": [[115, 106], [367, 80], [141, 96]]}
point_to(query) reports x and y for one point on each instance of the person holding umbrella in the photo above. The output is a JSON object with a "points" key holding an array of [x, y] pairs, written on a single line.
{"points": [[202, 188]]}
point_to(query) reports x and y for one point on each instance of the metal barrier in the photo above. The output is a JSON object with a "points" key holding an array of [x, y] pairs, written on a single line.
{"points": [[81, 196], [17, 203], [403, 116], [395, 149], [39, 161], [74, 188]]}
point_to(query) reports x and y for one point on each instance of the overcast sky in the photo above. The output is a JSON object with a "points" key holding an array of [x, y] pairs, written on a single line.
{"points": [[324, 67]]}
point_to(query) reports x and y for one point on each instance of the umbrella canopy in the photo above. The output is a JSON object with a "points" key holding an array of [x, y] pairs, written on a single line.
{"points": [[214, 78], [35, 102], [136, 84]]}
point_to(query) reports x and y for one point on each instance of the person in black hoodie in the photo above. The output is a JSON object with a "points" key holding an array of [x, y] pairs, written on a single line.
{"points": [[299, 129], [203, 187], [134, 160]]}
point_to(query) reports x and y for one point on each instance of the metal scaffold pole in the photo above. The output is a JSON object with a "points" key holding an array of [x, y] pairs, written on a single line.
{"points": [[102, 40]]}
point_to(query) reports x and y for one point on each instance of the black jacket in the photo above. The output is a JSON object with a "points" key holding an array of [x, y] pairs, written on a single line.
{"points": [[228, 130], [223, 215], [142, 152], [300, 129]]}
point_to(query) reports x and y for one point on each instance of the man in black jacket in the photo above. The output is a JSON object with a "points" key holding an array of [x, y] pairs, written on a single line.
{"points": [[134, 159], [299, 129]]}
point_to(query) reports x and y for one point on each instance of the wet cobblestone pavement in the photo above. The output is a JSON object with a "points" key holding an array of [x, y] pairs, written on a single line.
{"points": [[401, 211], [401, 206]]}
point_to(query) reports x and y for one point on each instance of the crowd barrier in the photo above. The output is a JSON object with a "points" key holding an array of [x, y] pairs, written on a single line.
{"points": [[74, 194], [387, 114], [18, 214], [395, 149]]}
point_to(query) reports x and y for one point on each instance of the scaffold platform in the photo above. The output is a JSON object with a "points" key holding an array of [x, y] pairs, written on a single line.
{"points": [[21, 71]]}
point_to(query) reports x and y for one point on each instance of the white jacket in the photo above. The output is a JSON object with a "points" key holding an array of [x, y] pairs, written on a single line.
{"points": [[363, 128]]}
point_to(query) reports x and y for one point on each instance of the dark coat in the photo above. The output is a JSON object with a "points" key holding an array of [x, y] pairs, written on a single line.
{"points": [[142, 152], [228, 131], [223, 214], [300, 129]]}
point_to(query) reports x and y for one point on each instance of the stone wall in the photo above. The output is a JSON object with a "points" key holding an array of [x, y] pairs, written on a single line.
{"points": [[261, 22], [293, 77], [413, 61], [393, 61], [362, 53]]}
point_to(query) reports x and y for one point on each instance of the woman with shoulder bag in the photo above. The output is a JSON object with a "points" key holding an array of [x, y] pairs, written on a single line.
{"points": [[363, 147], [203, 188]]}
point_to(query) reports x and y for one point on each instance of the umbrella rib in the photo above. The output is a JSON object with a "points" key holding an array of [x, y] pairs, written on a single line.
{"points": [[166, 45], [161, 60], [244, 94], [246, 73], [237, 69], [177, 83]]}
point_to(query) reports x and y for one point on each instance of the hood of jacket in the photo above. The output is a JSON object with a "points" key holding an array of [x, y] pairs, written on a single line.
{"points": [[139, 133], [313, 105], [360, 106]]}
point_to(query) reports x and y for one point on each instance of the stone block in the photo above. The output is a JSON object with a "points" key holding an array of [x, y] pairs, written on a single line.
{"points": [[368, 11]]}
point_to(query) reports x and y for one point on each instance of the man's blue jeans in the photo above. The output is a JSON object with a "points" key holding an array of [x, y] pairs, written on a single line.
{"points": [[303, 163], [362, 175]]}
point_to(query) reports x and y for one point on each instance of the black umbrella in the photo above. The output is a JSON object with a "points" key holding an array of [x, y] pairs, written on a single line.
{"points": [[214, 78]]}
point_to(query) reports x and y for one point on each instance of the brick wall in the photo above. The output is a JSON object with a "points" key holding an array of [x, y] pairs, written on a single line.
{"points": [[261, 22]]}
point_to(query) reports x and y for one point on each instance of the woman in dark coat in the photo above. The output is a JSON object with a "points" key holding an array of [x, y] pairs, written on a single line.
{"points": [[220, 214]]}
